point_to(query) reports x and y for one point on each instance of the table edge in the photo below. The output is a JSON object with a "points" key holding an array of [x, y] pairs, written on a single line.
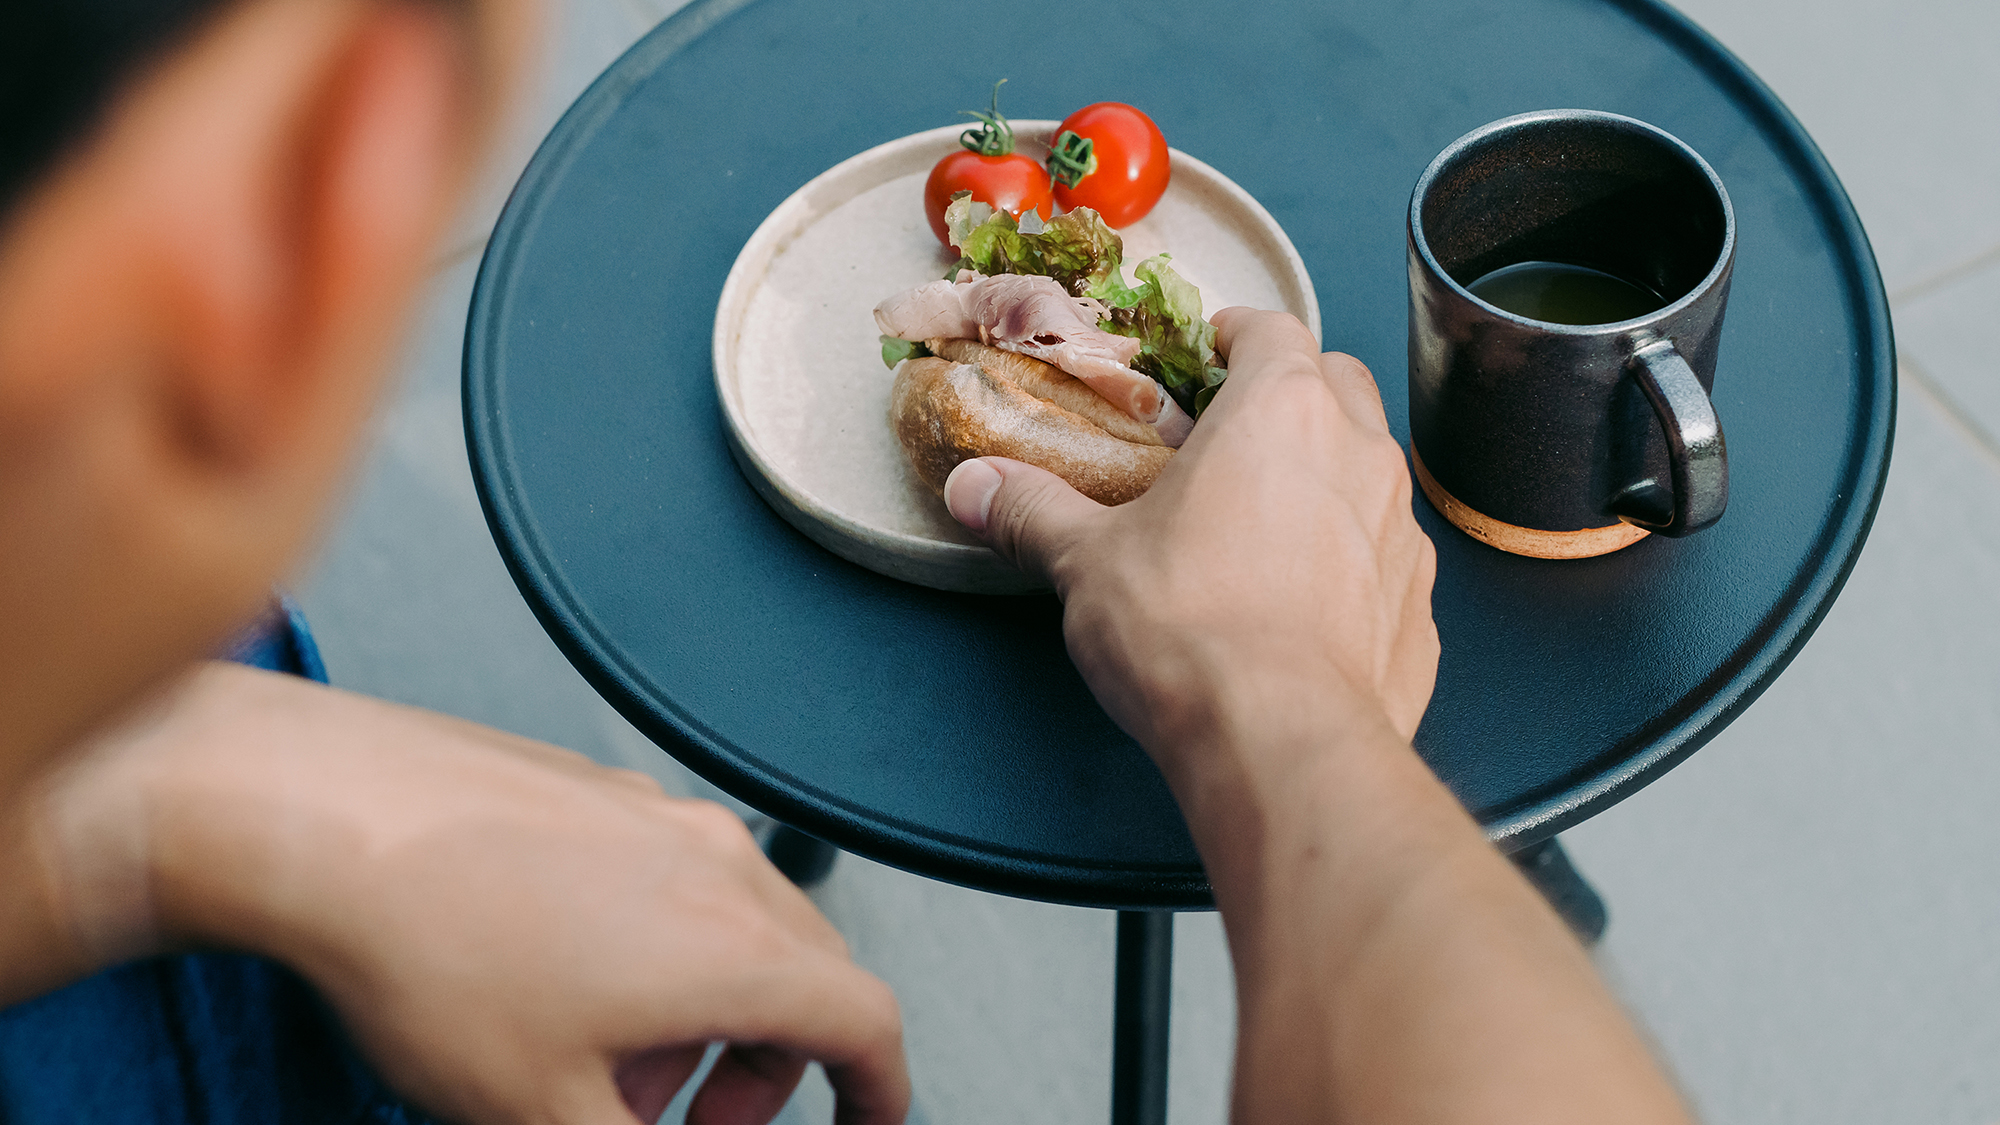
{"points": [[1671, 739]]}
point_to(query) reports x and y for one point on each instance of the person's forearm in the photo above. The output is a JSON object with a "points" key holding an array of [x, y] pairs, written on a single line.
{"points": [[247, 810], [221, 812], [1391, 965], [509, 931]]}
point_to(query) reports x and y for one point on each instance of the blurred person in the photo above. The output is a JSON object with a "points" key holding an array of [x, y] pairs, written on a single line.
{"points": [[213, 214]]}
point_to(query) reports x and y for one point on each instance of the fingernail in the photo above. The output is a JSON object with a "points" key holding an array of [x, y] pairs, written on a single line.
{"points": [[969, 490]]}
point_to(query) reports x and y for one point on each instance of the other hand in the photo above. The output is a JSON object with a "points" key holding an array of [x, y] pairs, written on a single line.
{"points": [[511, 932]]}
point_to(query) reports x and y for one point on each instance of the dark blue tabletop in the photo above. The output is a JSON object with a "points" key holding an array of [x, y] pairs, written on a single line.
{"points": [[948, 734]]}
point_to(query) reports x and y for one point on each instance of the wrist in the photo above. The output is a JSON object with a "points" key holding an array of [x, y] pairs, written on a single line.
{"points": [[267, 796], [1303, 799], [1232, 742], [192, 822]]}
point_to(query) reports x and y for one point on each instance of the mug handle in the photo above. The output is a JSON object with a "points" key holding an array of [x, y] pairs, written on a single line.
{"points": [[1696, 456]]}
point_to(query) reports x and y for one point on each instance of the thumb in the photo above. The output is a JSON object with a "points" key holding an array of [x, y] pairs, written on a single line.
{"points": [[1031, 516]]}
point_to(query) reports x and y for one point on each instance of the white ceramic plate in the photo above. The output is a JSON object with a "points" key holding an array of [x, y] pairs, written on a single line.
{"points": [[798, 364]]}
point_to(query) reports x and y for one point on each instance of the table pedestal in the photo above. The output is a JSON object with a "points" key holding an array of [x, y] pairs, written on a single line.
{"points": [[805, 860], [1547, 866], [1139, 1019]]}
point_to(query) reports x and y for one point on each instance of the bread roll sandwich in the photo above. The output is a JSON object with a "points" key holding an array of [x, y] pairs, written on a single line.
{"points": [[970, 400], [1035, 348]]}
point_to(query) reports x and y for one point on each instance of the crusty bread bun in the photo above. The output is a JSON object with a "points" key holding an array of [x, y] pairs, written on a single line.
{"points": [[971, 400], [1049, 383]]}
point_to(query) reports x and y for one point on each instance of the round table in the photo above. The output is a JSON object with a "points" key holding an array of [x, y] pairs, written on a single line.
{"points": [[948, 734]]}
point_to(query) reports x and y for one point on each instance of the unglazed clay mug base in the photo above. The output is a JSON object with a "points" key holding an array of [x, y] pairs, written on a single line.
{"points": [[1564, 440], [1528, 541]]}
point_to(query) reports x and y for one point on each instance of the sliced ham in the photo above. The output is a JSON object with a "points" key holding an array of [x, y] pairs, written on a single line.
{"points": [[1034, 316], [928, 311]]}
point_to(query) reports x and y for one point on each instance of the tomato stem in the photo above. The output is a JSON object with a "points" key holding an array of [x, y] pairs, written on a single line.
{"points": [[1071, 159], [993, 138]]}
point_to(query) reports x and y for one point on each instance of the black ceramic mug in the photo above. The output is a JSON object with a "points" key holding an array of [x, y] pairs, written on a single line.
{"points": [[1536, 428]]}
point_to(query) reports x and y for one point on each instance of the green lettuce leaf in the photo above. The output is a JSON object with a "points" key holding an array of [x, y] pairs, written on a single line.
{"points": [[1084, 256], [990, 240], [963, 215], [1178, 342], [895, 350], [1081, 253]]}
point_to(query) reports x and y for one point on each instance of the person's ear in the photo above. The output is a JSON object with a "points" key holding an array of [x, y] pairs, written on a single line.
{"points": [[195, 309], [300, 231], [250, 223]]}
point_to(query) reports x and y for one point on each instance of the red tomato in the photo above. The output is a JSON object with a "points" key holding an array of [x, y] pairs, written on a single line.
{"points": [[1131, 163], [1013, 183]]}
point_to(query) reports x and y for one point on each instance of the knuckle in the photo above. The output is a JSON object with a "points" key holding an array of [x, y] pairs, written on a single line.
{"points": [[877, 1011], [1283, 324], [1347, 364], [644, 782], [1292, 392], [1387, 454], [717, 824], [754, 936], [735, 916]]}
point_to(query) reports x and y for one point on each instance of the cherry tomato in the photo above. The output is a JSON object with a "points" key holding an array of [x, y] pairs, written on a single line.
{"points": [[990, 169], [1014, 183], [1130, 158]]}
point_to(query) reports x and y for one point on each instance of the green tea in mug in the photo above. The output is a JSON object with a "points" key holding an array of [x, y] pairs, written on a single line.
{"points": [[1561, 293]]}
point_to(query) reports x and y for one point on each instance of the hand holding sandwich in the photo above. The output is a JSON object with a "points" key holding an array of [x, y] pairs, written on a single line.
{"points": [[1260, 622], [1280, 560]]}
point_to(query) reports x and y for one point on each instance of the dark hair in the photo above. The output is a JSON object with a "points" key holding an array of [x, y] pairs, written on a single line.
{"points": [[62, 63]]}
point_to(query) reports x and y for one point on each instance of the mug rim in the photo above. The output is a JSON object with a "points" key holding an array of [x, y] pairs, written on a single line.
{"points": [[1723, 258]]}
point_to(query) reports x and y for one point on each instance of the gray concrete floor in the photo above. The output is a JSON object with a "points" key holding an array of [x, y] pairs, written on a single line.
{"points": [[1796, 959]]}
